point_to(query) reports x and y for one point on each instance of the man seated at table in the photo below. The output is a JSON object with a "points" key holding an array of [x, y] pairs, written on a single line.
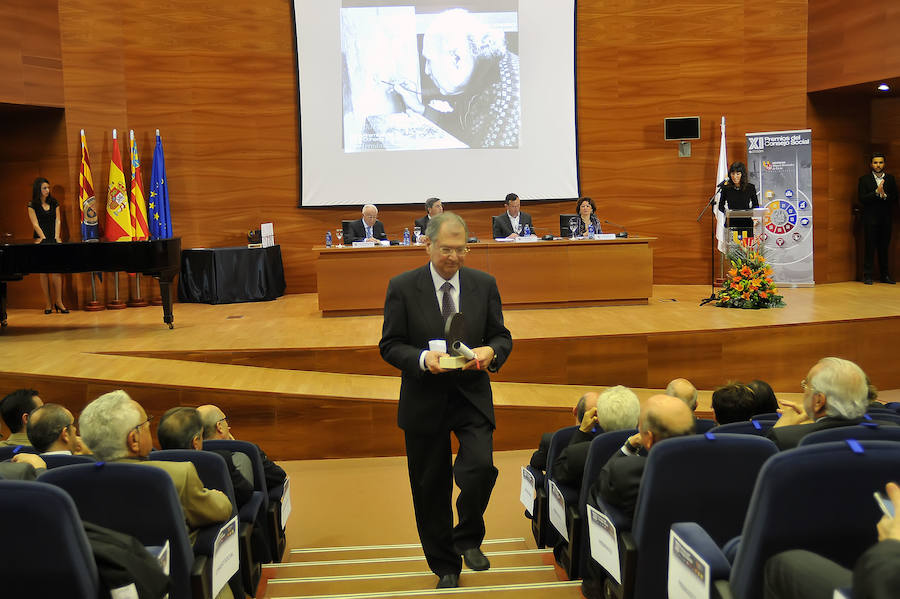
{"points": [[368, 228], [509, 223], [433, 207]]}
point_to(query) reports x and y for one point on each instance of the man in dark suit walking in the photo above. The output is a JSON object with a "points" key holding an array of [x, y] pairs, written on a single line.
{"points": [[510, 222], [368, 228], [877, 194], [435, 402]]}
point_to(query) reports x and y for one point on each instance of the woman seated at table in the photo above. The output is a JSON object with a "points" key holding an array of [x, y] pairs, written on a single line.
{"points": [[586, 217]]}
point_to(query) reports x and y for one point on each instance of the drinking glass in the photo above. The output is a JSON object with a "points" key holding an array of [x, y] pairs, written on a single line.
{"points": [[340, 236], [417, 231], [573, 225]]}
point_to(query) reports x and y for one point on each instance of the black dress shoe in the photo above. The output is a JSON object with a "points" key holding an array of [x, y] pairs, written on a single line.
{"points": [[448, 581], [475, 559], [867, 281], [888, 280]]}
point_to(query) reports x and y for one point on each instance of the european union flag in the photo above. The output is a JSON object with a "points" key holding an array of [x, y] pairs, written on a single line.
{"points": [[158, 204]]}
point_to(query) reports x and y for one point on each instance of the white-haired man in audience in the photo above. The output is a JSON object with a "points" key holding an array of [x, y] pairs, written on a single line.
{"points": [[615, 409], [835, 393], [215, 426], [117, 429], [684, 390], [51, 429]]}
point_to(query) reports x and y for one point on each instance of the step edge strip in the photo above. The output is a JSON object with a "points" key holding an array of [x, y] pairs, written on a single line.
{"points": [[386, 575], [373, 560], [397, 546]]}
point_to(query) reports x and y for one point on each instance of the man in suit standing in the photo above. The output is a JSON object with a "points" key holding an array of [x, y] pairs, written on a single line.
{"points": [[433, 207], [435, 402], [508, 223], [877, 194], [835, 393], [368, 228]]}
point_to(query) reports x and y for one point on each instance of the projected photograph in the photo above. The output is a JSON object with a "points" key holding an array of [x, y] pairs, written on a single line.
{"points": [[417, 78]]}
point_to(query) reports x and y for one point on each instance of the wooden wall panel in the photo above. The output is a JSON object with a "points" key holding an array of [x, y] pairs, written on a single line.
{"points": [[31, 70], [219, 81], [852, 42]]}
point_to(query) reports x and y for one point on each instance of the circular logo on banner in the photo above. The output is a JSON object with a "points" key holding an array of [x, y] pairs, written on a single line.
{"points": [[788, 193], [781, 217]]}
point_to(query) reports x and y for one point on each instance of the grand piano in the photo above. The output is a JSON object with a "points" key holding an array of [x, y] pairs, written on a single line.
{"points": [[159, 258]]}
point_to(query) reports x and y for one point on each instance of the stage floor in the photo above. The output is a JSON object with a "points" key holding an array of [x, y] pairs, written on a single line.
{"points": [[247, 350]]}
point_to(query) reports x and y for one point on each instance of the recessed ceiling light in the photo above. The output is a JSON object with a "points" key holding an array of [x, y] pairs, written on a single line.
{"points": [[884, 87]]}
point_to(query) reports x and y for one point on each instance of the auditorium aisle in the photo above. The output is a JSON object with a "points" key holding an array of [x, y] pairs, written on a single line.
{"points": [[352, 534]]}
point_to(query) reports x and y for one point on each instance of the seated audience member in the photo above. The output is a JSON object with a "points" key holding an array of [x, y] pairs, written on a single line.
{"points": [[117, 429], [764, 397], [433, 207], [733, 402], [662, 417], [873, 395], [585, 403], [182, 428], [51, 429], [684, 390], [615, 409], [800, 574], [15, 408], [215, 426], [510, 222], [368, 228], [835, 394], [22, 466]]}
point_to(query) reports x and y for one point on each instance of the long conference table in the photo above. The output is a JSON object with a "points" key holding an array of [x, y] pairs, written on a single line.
{"points": [[539, 274]]}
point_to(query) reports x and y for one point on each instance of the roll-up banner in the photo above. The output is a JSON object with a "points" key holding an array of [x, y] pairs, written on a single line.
{"points": [[780, 166]]}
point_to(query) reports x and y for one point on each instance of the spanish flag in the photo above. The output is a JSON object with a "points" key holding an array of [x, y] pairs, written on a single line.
{"points": [[118, 215], [138, 199], [86, 198]]}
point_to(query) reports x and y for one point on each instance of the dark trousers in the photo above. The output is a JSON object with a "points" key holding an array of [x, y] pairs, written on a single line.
{"points": [[431, 475], [799, 574], [878, 238]]}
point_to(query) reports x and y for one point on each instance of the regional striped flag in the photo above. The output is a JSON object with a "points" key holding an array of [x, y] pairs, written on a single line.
{"points": [[118, 215], [158, 205], [138, 198], [86, 199]]}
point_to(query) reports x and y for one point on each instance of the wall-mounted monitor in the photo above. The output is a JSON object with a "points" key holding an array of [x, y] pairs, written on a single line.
{"points": [[683, 127]]}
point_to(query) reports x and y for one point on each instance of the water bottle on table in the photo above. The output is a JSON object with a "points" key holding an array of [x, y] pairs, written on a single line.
{"points": [[406, 236], [328, 239]]}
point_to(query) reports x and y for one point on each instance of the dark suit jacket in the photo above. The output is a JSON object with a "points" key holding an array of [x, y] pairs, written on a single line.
{"points": [[243, 490], [422, 223], [357, 231], [539, 457], [788, 437], [568, 468], [877, 571], [619, 482], [15, 471], [412, 317], [874, 206], [503, 226]]}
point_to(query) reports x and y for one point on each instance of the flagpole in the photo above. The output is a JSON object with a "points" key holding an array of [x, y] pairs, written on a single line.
{"points": [[116, 303], [136, 300]]}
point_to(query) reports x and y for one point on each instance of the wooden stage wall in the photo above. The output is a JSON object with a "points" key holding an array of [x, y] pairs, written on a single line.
{"points": [[219, 80]]}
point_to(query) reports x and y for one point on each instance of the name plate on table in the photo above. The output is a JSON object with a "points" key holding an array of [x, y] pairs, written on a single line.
{"points": [[688, 572], [604, 542], [557, 510], [605, 236], [526, 492], [529, 239], [363, 244], [225, 559]]}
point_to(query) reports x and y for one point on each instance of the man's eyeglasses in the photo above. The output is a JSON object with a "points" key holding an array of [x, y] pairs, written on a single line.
{"points": [[147, 422], [460, 251]]}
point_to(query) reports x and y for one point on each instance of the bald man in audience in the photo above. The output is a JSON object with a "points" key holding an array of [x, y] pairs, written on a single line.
{"points": [[615, 409], [684, 390], [215, 426], [182, 428], [51, 429], [117, 429], [15, 408], [835, 394], [662, 417], [586, 402]]}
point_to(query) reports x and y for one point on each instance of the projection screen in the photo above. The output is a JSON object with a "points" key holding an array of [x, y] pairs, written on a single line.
{"points": [[467, 100]]}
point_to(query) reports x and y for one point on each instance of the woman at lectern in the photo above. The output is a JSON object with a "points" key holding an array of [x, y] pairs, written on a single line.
{"points": [[43, 211], [738, 194], [586, 217]]}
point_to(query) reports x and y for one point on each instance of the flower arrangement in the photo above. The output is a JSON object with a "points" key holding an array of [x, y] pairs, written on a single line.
{"points": [[749, 282]]}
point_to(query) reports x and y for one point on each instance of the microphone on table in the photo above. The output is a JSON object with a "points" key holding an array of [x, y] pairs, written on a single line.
{"points": [[623, 233]]}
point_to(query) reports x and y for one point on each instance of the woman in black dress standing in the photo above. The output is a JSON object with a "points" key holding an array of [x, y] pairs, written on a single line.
{"points": [[43, 211], [739, 194]]}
